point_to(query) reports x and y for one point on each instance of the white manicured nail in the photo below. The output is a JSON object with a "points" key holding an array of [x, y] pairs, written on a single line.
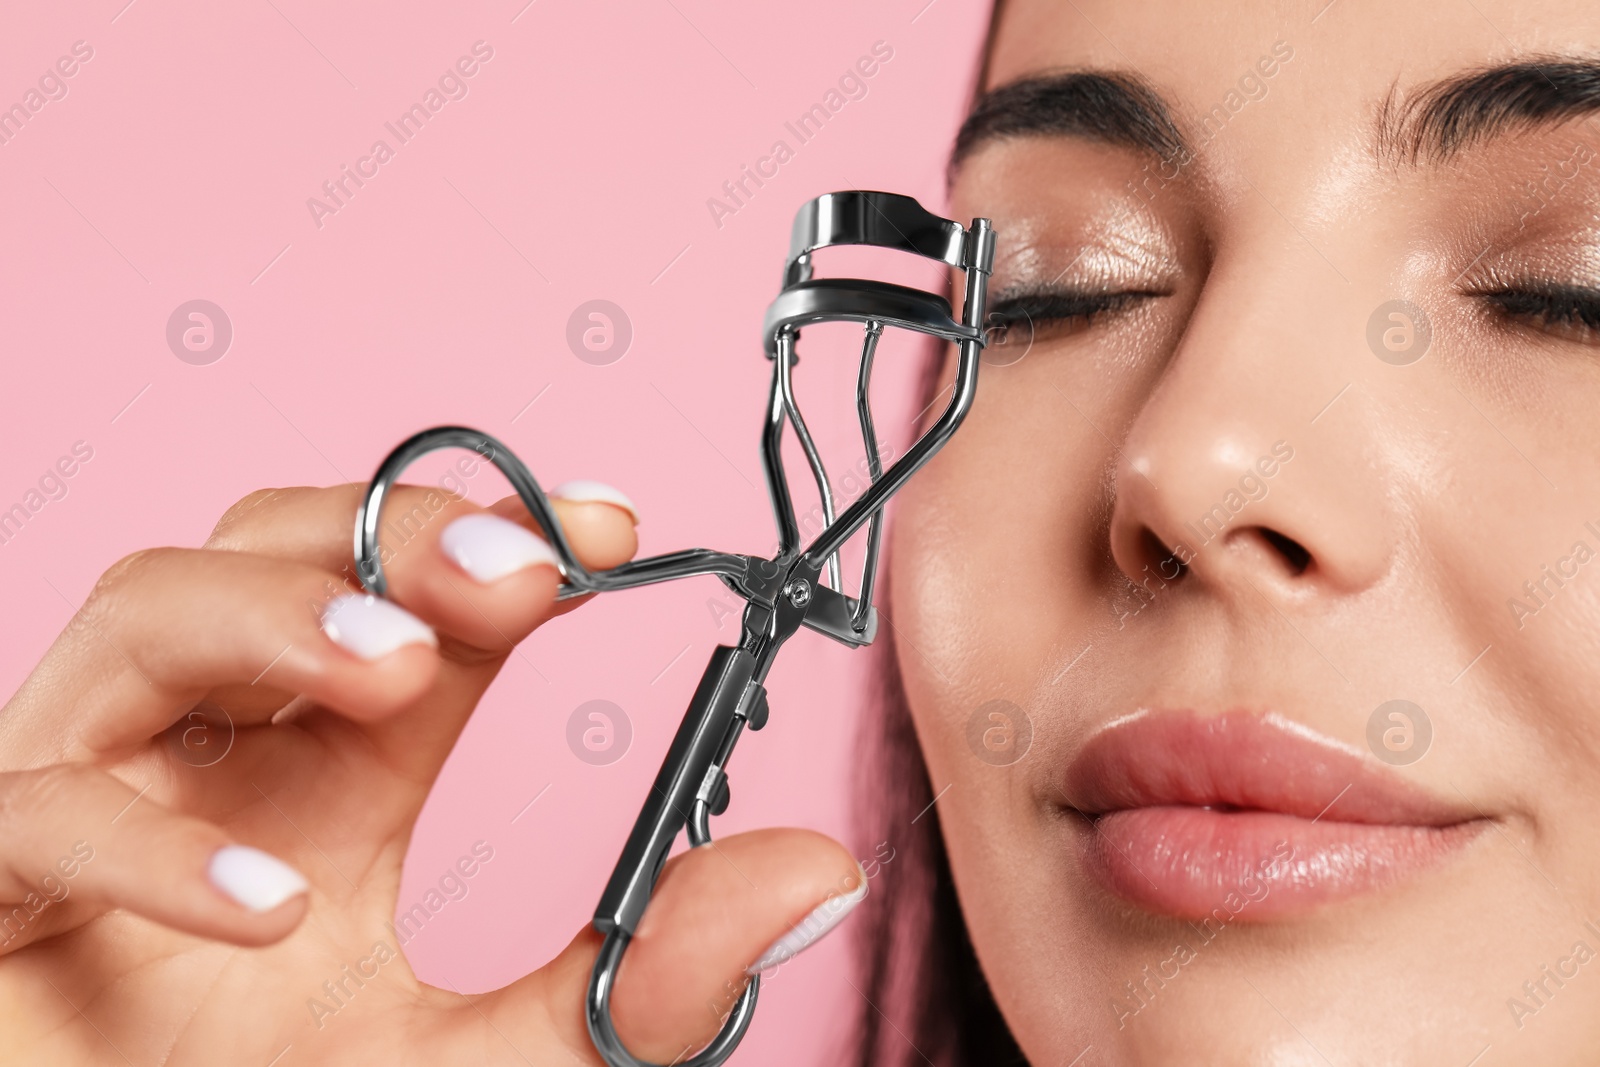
{"points": [[489, 547], [810, 930], [255, 879], [581, 491], [293, 710], [371, 627]]}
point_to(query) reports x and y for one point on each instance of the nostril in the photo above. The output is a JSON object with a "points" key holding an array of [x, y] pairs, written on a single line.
{"points": [[1158, 558], [1293, 552]]}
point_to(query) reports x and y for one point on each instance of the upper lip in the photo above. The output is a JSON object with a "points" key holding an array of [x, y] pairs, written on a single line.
{"points": [[1247, 761]]}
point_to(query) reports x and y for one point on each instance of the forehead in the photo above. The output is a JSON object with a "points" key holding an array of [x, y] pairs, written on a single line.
{"points": [[1291, 81]]}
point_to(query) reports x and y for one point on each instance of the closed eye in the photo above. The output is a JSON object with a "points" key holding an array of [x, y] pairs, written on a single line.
{"points": [[1038, 313], [1570, 312]]}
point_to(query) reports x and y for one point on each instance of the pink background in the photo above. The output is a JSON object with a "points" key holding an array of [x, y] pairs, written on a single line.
{"points": [[578, 166]]}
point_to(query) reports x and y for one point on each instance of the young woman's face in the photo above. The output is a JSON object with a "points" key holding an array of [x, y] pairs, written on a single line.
{"points": [[1290, 423]]}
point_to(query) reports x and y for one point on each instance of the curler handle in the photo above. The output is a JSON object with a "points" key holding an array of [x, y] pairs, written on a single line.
{"points": [[700, 741]]}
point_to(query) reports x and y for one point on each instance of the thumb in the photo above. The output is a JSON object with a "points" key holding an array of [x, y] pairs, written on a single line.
{"points": [[720, 912]]}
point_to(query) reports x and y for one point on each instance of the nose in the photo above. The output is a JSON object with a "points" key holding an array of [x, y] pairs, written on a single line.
{"points": [[1238, 473]]}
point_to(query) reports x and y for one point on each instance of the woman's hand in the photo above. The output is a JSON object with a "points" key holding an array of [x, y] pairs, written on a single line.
{"points": [[157, 912]]}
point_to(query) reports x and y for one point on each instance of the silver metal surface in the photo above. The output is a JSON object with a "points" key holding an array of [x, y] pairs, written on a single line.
{"points": [[782, 593]]}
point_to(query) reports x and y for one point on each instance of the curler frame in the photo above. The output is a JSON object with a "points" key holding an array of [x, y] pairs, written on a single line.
{"points": [[782, 593]]}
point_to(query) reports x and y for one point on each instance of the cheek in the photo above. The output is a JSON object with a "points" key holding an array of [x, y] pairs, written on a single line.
{"points": [[997, 579], [998, 558], [981, 596], [955, 585]]}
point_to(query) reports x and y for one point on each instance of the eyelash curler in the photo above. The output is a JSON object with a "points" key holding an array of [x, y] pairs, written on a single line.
{"points": [[782, 593]]}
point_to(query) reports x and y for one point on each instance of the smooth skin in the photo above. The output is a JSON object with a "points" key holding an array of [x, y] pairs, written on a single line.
{"points": [[1424, 496], [145, 962]]}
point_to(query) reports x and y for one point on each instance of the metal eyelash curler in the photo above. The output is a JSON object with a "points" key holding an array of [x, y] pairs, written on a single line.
{"points": [[782, 593]]}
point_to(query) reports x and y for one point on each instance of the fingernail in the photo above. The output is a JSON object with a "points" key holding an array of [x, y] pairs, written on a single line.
{"points": [[810, 930], [292, 710], [489, 547], [254, 878], [581, 491], [371, 627]]}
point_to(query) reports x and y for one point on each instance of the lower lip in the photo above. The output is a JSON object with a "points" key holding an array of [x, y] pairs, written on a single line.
{"points": [[1193, 863]]}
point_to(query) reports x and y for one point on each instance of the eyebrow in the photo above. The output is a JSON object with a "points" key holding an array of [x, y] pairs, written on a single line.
{"points": [[1430, 124], [1445, 117], [1110, 107]]}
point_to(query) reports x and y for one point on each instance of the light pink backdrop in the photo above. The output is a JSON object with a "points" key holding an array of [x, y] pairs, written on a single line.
{"points": [[578, 166]]}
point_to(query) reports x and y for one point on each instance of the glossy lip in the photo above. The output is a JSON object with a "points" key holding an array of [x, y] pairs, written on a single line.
{"points": [[1248, 816]]}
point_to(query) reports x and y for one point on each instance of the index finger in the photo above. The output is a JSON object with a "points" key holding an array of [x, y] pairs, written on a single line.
{"points": [[316, 525]]}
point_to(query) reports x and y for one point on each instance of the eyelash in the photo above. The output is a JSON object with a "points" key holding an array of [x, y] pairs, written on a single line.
{"points": [[1567, 311], [1059, 307]]}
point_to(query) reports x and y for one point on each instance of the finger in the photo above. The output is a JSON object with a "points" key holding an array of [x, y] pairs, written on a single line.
{"points": [[315, 525], [753, 898], [481, 578], [485, 580], [481, 583], [76, 842], [166, 626], [591, 519]]}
